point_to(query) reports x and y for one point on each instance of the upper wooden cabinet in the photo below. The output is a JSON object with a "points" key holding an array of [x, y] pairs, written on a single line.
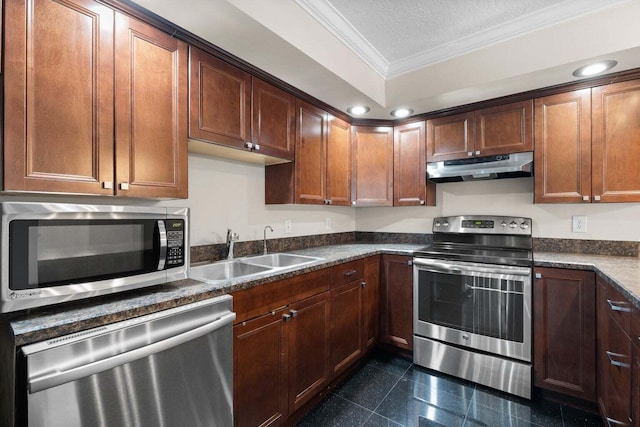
{"points": [[588, 145], [410, 185], [491, 131], [338, 162], [228, 106], [66, 91], [372, 166]]}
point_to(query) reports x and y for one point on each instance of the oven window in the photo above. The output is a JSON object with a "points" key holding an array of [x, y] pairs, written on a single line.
{"points": [[62, 252], [485, 306]]}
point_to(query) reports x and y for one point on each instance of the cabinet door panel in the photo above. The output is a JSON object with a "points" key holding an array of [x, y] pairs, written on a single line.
{"points": [[397, 302], [372, 179], [308, 334], [273, 120], [58, 96], [260, 371], [339, 162], [564, 326], [219, 101], [450, 137], [346, 325], [310, 154], [504, 129], [616, 142], [151, 118], [410, 185], [563, 147]]}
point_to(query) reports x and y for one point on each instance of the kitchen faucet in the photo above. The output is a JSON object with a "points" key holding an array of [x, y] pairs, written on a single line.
{"points": [[265, 237], [231, 239]]}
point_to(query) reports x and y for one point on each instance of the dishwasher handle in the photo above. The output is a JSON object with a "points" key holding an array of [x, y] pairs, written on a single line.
{"points": [[54, 379]]}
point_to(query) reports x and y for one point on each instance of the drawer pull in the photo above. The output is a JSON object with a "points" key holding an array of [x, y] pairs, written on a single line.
{"points": [[294, 313], [613, 422], [612, 358], [350, 273], [619, 306], [286, 317]]}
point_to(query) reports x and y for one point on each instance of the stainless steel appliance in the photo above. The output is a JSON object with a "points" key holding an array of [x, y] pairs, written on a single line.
{"points": [[516, 165], [472, 301], [53, 252], [172, 368]]}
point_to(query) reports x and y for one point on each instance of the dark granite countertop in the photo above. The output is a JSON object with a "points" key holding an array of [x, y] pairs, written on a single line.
{"points": [[47, 323]]}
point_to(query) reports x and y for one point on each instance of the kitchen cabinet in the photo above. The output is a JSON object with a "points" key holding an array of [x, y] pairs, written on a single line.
{"points": [[564, 330], [371, 301], [491, 131], [230, 107], [372, 166], [615, 353], [410, 185], [587, 145], [64, 132], [635, 375], [396, 314], [322, 167], [281, 347]]}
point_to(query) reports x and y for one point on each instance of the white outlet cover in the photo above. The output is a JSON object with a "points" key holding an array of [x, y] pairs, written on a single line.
{"points": [[287, 226], [579, 224]]}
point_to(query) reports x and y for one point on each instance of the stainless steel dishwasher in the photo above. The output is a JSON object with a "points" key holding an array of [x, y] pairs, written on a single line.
{"points": [[171, 368]]}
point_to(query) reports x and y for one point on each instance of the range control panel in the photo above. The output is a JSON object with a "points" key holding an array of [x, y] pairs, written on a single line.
{"points": [[482, 225], [175, 242]]}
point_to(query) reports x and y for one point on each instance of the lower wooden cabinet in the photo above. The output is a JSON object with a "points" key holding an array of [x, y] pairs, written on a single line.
{"points": [[396, 314], [371, 301], [564, 322], [346, 325]]}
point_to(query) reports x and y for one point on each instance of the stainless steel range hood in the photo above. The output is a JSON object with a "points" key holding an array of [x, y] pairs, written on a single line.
{"points": [[479, 168]]}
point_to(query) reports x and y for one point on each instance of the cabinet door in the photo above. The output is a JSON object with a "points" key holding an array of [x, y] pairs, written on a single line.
{"points": [[311, 139], [615, 142], [339, 162], [308, 334], [504, 129], [371, 301], [450, 137], [219, 101], [273, 120], [260, 371], [563, 148], [346, 325], [151, 113], [410, 185], [564, 325], [372, 170], [58, 96], [396, 318]]}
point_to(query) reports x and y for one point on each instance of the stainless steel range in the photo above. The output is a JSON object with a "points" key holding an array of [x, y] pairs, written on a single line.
{"points": [[472, 301]]}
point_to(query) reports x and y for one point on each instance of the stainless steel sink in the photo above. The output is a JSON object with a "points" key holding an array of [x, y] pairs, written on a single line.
{"points": [[277, 260], [225, 270]]}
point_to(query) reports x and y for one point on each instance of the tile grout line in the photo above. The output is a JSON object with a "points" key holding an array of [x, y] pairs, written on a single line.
{"points": [[466, 415], [389, 392]]}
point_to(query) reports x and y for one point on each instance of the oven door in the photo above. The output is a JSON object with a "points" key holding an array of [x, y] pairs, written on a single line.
{"points": [[480, 306]]}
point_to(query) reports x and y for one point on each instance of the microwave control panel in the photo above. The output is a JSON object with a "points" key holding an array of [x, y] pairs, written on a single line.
{"points": [[175, 242]]}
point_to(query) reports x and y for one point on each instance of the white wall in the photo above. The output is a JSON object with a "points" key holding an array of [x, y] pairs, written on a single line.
{"points": [[605, 221]]}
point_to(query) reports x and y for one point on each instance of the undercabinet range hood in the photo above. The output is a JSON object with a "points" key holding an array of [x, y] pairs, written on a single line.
{"points": [[479, 168]]}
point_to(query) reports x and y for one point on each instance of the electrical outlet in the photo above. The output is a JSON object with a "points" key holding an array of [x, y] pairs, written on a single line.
{"points": [[287, 226], [328, 224], [579, 224]]}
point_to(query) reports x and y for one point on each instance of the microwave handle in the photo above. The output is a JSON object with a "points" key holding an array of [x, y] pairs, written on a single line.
{"points": [[162, 231]]}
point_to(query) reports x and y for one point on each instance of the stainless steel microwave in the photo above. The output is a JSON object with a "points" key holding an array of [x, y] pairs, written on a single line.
{"points": [[54, 252]]}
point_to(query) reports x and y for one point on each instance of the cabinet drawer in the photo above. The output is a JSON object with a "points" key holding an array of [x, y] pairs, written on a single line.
{"points": [[347, 272], [617, 361], [619, 309]]}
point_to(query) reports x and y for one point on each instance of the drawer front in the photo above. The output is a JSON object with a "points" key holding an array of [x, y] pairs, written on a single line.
{"points": [[347, 272], [619, 309], [617, 362]]}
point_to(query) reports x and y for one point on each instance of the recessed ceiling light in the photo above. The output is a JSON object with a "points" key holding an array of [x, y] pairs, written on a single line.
{"points": [[358, 110], [402, 112], [595, 68]]}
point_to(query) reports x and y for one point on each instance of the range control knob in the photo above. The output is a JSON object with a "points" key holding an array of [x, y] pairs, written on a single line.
{"points": [[437, 224], [524, 225], [446, 223], [513, 224], [503, 224]]}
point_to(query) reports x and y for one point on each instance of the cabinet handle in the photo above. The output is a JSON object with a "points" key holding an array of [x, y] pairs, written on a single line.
{"points": [[613, 422], [248, 145], [410, 262], [619, 306], [363, 284], [585, 198], [614, 362], [107, 184], [421, 202], [256, 147], [469, 153], [538, 275], [329, 201], [478, 153], [286, 317], [124, 186], [294, 313], [596, 198], [353, 203], [350, 273]]}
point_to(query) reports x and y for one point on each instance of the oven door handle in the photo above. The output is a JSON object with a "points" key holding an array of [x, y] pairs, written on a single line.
{"points": [[439, 266]]}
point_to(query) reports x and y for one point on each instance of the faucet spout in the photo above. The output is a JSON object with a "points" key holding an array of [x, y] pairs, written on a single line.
{"points": [[231, 239], [265, 238]]}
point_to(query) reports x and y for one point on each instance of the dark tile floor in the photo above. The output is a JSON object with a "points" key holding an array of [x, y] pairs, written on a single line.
{"points": [[390, 391]]}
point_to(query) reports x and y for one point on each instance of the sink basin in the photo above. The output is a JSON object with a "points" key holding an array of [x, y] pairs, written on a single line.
{"points": [[225, 270], [280, 260]]}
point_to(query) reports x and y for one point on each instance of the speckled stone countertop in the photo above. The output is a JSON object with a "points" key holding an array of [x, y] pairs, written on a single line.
{"points": [[48, 323], [623, 273]]}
